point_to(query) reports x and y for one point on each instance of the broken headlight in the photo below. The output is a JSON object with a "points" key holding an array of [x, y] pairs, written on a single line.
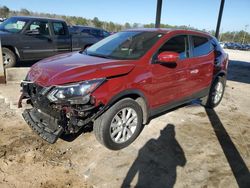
{"points": [[77, 93]]}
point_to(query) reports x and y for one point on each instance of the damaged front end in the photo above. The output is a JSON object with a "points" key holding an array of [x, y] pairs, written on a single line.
{"points": [[58, 110]]}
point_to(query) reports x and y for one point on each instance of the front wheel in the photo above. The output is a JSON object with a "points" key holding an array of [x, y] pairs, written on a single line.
{"points": [[120, 125], [216, 93], [9, 58]]}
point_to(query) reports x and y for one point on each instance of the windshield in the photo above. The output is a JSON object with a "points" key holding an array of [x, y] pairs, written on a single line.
{"points": [[13, 25], [124, 45]]}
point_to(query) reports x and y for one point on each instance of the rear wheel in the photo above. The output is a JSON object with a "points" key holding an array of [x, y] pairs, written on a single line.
{"points": [[9, 58], [216, 93], [120, 125]]}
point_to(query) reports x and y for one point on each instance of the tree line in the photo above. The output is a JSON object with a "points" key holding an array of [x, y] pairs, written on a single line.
{"points": [[5, 12]]}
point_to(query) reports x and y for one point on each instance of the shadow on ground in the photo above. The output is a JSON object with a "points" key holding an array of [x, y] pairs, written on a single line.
{"points": [[157, 161], [237, 164], [239, 71], [71, 137], [25, 63]]}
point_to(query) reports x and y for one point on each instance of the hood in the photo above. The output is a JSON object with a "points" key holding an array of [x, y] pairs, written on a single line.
{"points": [[76, 67], [5, 33]]}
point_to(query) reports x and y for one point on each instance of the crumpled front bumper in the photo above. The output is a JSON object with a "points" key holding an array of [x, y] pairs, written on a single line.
{"points": [[44, 125]]}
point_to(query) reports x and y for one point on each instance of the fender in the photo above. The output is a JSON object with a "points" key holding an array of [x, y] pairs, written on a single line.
{"points": [[220, 73], [134, 94], [17, 52]]}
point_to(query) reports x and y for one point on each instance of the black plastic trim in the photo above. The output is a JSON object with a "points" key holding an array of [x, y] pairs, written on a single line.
{"points": [[44, 132]]}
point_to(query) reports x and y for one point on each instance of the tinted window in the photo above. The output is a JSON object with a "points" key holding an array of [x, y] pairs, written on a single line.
{"points": [[95, 32], [59, 28], [177, 44], [86, 31], [202, 46], [105, 34], [41, 26]]}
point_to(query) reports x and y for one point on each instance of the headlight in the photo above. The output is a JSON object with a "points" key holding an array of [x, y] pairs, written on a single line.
{"points": [[74, 93]]}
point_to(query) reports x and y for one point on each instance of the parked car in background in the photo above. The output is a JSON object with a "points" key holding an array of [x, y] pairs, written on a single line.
{"points": [[86, 30], [2, 20], [222, 44], [245, 47], [33, 38], [122, 82], [236, 46]]}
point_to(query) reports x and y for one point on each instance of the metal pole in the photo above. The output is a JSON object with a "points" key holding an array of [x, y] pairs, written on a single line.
{"points": [[158, 14], [2, 74], [219, 19]]}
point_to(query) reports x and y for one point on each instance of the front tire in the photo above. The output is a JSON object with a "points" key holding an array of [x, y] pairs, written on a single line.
{"points": [[216, 93], [9, 58], [120, 125]]}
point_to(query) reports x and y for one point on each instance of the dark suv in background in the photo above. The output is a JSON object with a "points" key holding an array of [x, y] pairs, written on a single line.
{"points": [[86, 30], [122, 82], [33, 38]]}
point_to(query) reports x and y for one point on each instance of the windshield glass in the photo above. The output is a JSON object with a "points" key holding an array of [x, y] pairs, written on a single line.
{"points": [[13, 25], [124, 45]]}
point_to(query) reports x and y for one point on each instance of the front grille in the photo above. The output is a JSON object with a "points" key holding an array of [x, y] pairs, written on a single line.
{"points": [[40, 101]]}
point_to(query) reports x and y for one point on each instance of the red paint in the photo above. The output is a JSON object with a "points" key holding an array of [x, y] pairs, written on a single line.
{"points": [[159, 84], [168, 57]]}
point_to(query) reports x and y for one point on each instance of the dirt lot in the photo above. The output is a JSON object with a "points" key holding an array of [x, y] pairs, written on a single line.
{"points": [[189, 147]]}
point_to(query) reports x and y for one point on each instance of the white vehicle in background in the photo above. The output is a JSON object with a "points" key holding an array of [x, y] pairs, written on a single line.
{"points": [[222, 44], [2, 20]]}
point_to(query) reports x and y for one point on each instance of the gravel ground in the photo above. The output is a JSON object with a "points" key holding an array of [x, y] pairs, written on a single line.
{"points": [[188, 147]]}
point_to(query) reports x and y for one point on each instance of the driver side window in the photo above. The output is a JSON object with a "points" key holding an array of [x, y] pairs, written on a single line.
{"points": [[178, 44], [41, 26]]}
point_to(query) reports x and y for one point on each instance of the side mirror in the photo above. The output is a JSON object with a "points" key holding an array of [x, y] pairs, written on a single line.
{"points": [[168, 57], [32, 32]]}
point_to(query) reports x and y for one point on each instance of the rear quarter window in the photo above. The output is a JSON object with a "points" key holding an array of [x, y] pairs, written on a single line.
{"points": [[201, 46], [59, 29]]}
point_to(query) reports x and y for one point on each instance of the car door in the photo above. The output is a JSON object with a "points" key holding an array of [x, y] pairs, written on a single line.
{"points": [[168, 82], [61, 37], [36, 40], [201, 64]]}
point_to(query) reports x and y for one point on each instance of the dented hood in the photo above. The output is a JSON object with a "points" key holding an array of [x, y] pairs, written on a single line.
{"points": [[75, 67]]}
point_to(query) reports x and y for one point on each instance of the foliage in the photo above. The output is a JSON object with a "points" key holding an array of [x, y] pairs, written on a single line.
{"points": [[4, 11], [237, 36]]}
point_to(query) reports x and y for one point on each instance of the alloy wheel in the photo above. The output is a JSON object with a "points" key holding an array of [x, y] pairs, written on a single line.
{"points": [[218, 92], [123, 125]]}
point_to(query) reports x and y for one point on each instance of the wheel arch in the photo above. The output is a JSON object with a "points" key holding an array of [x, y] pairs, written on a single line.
{"points": [[136, 95], [13, 49], [222, 74]]}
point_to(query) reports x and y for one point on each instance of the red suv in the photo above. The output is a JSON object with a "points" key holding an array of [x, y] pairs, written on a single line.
{"points": [[123, 81]]}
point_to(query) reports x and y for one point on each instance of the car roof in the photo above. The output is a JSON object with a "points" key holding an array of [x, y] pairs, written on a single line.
{"points": [[169, 30], [37, 18], [87, 27]]}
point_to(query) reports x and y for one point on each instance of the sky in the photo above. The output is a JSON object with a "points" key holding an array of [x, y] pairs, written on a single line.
{"points": [[201, 14]]}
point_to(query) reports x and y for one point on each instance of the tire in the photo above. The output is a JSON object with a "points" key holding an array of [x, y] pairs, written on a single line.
{"points": [[216, 93], [115, 130], [9, 58]]}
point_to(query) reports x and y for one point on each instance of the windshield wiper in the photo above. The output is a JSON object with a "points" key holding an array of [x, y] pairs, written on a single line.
{"points": [[98, 55]]}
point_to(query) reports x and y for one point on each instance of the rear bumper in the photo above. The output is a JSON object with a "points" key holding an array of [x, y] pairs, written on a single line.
{"points": [[44, 125]]}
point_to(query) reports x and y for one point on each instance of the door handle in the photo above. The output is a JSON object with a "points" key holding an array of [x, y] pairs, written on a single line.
{"points": [[194, 71]]}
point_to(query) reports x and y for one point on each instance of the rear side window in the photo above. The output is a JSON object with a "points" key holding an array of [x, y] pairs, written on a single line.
{"points": [[59, 29], [177, 44], [202, 46], [105, 34], [95, 32]]}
